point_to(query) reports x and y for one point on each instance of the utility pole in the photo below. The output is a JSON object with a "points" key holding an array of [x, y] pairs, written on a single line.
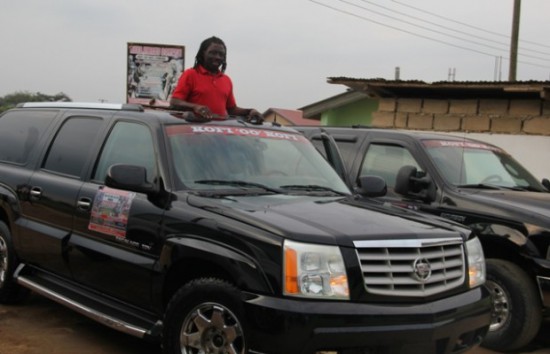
{"points": [[451, 74], [515, 39]]}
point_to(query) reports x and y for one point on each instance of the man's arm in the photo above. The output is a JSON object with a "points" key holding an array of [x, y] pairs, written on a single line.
{"points": [[250, 113], [181, 105]]}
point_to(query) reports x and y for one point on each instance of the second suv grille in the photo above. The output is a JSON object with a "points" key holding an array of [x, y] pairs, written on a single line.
{"points": [[411, 267]]}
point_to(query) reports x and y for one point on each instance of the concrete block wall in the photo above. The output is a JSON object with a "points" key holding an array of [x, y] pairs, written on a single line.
{"points": [[502, 116]]}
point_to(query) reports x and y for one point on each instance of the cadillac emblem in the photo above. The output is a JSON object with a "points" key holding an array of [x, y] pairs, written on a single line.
{"points": [[422, 269]]}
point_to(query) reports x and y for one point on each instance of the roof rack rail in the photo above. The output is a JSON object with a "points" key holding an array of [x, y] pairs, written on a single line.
{"points": [[84, 105]]}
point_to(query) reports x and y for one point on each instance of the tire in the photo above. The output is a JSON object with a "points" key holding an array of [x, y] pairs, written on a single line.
{"points": [[10, 292], [205, 316], [517, 312]]}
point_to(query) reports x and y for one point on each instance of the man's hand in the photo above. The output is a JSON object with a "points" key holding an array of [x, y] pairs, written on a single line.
{"points": [[254, 117], [203, 112]]}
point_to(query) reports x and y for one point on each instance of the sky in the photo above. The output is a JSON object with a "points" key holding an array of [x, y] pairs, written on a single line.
{"points": [[279, 52]]}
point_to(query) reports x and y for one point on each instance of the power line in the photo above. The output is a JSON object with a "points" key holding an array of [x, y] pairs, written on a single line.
{"points": [[417, 34], [466, 24], [453, 29], [432, 30]]}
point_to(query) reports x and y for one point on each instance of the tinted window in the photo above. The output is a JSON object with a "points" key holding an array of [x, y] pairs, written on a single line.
{"points": [[347, 145], [385, 161], [128, 143], [70, 149], [20, 132]]}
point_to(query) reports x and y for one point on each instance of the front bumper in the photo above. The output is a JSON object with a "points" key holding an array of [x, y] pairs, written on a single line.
{"points": [[451, 325]]}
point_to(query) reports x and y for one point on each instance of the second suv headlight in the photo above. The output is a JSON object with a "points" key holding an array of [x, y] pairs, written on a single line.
{"points": [[312, 270], [476, 262]]}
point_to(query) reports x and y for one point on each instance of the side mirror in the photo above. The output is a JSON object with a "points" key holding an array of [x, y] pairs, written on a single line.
{"points": [[372, 186], [129, 177], [410, 184], [546, 183]]}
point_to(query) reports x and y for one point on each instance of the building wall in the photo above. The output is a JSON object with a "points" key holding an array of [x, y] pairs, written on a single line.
{"points": [[359, 112], [274, 117], [521, 127], [499, 116]]}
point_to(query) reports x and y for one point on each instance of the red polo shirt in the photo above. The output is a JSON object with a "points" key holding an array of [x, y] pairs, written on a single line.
{"points": [[202, 87]]}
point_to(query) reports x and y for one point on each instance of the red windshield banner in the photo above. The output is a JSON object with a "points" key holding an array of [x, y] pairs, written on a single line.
{"points": [[460, 144], [221, 130]]}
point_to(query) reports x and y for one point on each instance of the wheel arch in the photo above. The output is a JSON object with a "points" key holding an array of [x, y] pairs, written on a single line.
{"points": [[508, 243], [9, 206], [185, 259], [4, 217]]}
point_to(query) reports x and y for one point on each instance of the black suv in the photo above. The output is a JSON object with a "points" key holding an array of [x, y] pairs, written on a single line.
{"points": [[223, 237], [473, 183]]}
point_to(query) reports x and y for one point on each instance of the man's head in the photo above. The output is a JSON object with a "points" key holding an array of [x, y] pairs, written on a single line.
{"points": [[212, 55]]}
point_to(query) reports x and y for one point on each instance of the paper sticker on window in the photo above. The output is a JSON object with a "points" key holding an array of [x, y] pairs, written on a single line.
{"points": [[110, 211]]}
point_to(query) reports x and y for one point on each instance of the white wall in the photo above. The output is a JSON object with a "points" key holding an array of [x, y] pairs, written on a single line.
{"points": [[530, 150]]}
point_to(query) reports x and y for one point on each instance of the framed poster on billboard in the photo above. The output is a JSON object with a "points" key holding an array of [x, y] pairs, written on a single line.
{"points": [[153, 72]]}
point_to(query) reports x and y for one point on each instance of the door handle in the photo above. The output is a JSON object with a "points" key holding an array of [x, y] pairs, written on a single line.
{"points": [[35, 193], [84, 204]]}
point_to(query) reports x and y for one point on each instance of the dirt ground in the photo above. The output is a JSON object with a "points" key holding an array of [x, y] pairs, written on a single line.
{"points": [[45, 327]]}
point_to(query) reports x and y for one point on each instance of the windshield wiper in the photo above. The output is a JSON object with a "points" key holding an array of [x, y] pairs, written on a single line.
{"points": [[312, 188], [238, 183], [522, 188], [527, 188], [497, 187], [480, 186]]}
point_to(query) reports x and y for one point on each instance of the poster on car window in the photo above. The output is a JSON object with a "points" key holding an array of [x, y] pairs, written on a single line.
{"points": [[152, 73]]}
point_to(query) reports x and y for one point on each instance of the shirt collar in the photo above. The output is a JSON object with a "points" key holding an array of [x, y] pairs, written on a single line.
{"points": [[203, 71]]}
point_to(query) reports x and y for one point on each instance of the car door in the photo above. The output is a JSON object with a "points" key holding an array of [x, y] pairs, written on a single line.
{"points": [[52, 193], [385, 157], [117, 234]]}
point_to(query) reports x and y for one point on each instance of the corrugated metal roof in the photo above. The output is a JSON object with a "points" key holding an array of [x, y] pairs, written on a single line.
{"points": [[446, 89]]}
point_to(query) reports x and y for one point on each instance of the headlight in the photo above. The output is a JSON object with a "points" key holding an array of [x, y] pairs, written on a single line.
{"points": [[476, 262], [314, 271]]}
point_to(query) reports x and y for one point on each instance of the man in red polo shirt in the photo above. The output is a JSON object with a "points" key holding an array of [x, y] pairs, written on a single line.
{"points": [[205, 89]]}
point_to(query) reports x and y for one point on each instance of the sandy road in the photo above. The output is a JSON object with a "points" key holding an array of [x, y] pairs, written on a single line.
{"points": [[41, 326]]}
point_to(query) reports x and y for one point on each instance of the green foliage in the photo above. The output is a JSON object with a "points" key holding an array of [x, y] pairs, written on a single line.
{"points": [[12, 99]]}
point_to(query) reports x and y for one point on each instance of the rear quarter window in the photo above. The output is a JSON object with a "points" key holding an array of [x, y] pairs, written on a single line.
{"points": [[71, 147], [20, 132]]}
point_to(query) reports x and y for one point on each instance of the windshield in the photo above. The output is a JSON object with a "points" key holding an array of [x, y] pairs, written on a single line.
{"points": [[473, 164], [212, 157]]}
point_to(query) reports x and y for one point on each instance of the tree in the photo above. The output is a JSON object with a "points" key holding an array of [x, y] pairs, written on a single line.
{"points": [[12, 99]]}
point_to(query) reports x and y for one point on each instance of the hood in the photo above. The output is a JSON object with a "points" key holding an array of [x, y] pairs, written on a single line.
{"points": [[531, 207], [319, 219]]}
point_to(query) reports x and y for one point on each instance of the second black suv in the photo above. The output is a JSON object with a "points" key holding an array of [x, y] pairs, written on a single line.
{"points": [[223, 237], [473, 183]]}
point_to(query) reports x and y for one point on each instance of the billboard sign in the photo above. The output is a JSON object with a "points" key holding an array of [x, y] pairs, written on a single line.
{"points": [[152, 73]]}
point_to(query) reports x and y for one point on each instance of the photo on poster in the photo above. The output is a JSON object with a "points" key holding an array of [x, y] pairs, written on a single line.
{"points": [[153, 71]]}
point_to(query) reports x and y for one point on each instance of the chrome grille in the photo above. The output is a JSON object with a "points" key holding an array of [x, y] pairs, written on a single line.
{"points": [[411, 267]]}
